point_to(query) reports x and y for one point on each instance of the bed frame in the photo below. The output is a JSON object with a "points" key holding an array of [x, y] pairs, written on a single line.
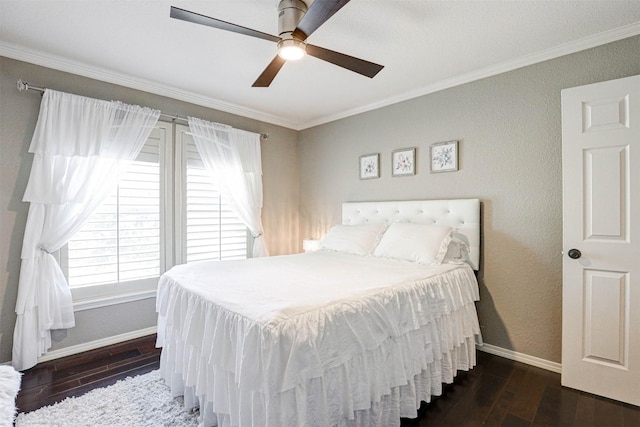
{"points": [[462, 214]]}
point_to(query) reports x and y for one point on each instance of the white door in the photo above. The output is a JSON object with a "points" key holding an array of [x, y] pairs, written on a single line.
{"points": [[601, 220]]}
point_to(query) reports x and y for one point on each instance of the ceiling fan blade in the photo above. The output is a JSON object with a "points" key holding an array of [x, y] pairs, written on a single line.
{"points": [[196, 18], [319, 12], [351, 63], [269, 73]]}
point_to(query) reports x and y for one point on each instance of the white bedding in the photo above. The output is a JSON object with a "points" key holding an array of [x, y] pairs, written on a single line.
{"points": [[338, 340], [314, 279]]}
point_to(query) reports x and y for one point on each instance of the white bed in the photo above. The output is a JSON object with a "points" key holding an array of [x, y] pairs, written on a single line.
{"points": [[326, 338]]}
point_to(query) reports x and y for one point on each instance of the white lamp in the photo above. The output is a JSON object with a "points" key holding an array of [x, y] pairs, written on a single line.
{"points": [[310, 245]]}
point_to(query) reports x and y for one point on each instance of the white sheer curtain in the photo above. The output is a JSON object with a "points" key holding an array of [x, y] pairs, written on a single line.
{"points": [[81, 147], [234, 159]]}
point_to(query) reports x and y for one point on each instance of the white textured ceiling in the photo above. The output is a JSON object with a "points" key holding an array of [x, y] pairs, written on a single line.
{"points": [[424, 45]]}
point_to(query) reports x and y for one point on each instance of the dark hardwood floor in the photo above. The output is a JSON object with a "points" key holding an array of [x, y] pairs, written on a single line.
{"points": [[53, 381], [497, 392]]}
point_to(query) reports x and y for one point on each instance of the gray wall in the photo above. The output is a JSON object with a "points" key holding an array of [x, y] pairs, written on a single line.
{"points": [[18, 115], [509, 128]]}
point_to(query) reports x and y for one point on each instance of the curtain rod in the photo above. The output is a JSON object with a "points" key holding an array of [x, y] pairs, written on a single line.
{"points": [[26, 86]]}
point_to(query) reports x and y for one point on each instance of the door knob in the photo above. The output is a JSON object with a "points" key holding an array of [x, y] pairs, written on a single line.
{"points": [[574, 253]]}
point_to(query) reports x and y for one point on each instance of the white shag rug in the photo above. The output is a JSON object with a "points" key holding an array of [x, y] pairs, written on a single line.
{"points": [[144, 400], [9, 387]]}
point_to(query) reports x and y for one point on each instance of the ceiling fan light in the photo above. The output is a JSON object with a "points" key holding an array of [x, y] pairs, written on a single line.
{"points": [[291, 49]]}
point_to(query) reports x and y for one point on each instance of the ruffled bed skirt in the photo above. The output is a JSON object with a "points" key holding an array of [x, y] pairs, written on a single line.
{"points": [[375, 386]]}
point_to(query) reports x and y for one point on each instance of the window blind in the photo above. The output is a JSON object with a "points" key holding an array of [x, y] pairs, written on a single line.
{"points": [[121, 241], [212, 230]]}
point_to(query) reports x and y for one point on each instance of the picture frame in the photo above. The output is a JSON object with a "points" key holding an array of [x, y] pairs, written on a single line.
{"points": [[444, 156], [403, 162], [370, 166]]}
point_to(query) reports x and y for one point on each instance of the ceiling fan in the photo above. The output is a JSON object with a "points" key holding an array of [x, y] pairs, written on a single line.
{"points": [[296, 22]]}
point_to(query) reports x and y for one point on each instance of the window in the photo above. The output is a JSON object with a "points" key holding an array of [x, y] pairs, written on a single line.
{"points": [[121, 251], [166, 200]]}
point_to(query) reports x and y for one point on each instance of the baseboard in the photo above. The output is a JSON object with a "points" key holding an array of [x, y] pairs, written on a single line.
{"points": [[521, 357], [92, 345], [103, 342]]}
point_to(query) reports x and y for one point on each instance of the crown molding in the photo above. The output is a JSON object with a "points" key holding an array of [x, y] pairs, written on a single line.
{"points": [[109, 76], [492, 70], [74, 67]]}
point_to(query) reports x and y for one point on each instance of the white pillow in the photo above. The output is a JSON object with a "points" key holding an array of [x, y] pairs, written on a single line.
{"points": [[358, 239], [421, 243], [458, 250]]}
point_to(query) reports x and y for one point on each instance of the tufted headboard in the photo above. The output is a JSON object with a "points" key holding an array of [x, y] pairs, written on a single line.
{"points": [[462, 214]]}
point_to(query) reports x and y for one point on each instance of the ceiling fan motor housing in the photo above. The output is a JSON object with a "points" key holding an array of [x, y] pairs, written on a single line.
{"points": [[290, 12]]}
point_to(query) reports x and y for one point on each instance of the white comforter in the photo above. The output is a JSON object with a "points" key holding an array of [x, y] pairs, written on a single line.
{"points": [[313, 339]]}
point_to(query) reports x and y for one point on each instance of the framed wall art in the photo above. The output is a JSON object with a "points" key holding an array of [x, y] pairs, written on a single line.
{"points": [[370, 166], [403, 162], [444, 156]]}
